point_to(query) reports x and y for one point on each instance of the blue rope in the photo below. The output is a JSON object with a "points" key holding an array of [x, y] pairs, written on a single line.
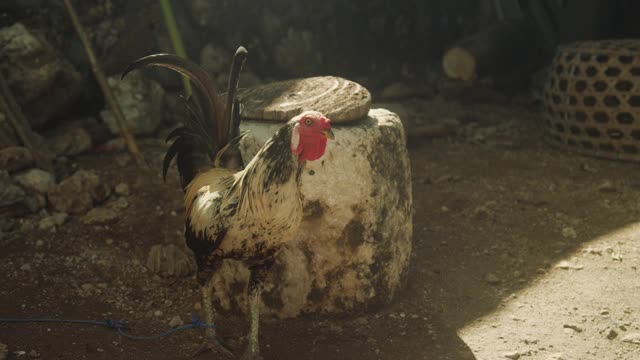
{"points": [[120, 326]]}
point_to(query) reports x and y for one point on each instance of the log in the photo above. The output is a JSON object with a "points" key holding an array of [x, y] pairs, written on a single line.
{"points": [[492, 50]]}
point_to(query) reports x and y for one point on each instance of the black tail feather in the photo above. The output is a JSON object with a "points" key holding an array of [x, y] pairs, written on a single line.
{"points": [[239, 58], [194, 144]]}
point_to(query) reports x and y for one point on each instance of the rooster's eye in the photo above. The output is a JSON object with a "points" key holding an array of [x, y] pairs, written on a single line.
{"points": [[308, 121]]}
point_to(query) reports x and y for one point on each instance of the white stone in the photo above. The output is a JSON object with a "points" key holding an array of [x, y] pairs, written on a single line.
{"points": [[36, 180], [354, 244], [142, 116]]}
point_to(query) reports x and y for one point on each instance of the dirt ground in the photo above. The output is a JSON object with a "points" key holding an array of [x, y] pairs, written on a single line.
{"points": [[520, 251]]}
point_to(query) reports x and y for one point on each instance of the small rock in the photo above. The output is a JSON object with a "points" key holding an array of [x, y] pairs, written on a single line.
{"points": [[25, 267], [78, 193], [606, 187], [565, 265], [569, 232], [157, 313], [122, 189], [633, 338], [611, 334], [10, 194], [36, 180], [53, 221], [575, 328], [4, 351], [72, 141], [34, 354], [15, 158], [118, 204], [514, 355], [109, 241], [492, 279], [141, 101], [43, 82], [169, 261], [176, 321], [100, 216]]}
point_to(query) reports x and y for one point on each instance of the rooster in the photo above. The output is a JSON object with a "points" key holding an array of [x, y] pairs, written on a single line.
{"points": [[246, 215]]}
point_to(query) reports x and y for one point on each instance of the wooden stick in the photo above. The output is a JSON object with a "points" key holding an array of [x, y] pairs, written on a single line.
{"points": [[102, 81], [176, 39], [20, 124]]}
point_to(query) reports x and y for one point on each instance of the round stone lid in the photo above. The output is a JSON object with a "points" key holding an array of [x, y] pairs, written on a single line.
{"points": [[339, 99]]}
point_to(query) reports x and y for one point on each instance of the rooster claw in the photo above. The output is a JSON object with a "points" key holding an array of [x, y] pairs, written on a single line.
{"points": [[216, 346]]}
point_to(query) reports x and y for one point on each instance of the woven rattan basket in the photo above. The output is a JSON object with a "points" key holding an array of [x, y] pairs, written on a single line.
{"points": [[592, 98]]}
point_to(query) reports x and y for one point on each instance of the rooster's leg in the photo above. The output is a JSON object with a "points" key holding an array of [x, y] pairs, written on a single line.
{"points": [[258, 274], [212, 342]]}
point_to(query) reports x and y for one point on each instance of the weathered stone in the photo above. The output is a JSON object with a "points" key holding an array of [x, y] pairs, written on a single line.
{"points": [[73, 141], [354, 244], [122, 189], [78, 193], [141, 101], [170, 261], [36, 180], [176, 321], [633, 338], [339, 99], [10, 193], [15, 158], [44, 83], [53, 221], [4, 351], [100, 216]]}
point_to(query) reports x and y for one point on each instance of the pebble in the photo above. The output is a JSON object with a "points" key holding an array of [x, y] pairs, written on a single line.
{"points": [[36, 180], [575, 328], [15, 158], [492, 279], [122, 189], [53, 221], [633, 338], [109, 241], [4, 351], [611, 334], [565, 265], [512, 355], [34, 354], [606, 186], [569, 232], [176, 321], [157, 313], [26, 267], [100, 216]]}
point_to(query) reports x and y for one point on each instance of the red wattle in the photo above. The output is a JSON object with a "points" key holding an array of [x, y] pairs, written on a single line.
{"points": [[312, 147]]}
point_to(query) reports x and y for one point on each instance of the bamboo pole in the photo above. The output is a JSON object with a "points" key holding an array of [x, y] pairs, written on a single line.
{"points": [[102, 81], [176, 39], [20, 124]]}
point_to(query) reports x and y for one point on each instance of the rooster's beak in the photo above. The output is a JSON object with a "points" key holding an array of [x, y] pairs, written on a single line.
{"points": [[328, 134]]}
